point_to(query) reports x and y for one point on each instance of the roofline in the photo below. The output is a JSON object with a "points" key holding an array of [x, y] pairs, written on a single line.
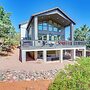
{"points": [[23, 23], [44, 11], [56, 8]]}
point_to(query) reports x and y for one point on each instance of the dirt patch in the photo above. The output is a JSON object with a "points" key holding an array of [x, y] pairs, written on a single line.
{"points": [[12, 62], [25, 85]]}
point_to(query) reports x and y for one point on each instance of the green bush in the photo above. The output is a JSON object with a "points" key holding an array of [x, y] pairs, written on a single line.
{"points": [[73, 77]]}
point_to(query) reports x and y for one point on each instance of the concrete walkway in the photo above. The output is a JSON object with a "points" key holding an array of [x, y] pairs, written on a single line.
{"points": [[12, 63]]}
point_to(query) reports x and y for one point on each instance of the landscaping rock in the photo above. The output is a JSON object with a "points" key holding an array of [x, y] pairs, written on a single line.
{"points": [[13, 75]]}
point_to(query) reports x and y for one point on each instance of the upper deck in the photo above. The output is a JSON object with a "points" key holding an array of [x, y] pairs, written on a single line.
{"points": [[32, 45]]}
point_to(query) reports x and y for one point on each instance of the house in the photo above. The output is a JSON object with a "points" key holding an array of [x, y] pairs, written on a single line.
{"points": [[43, 37]]}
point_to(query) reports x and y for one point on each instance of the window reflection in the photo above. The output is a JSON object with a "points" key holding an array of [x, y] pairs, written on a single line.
{"points": [[40, 26], [44, 25], [40, 37], [50, 37], [55, 29], [59, 29], [50, 26]]}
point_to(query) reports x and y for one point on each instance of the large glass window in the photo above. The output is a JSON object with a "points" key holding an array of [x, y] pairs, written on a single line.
{"points": [[50, 27], [55, 29], [59, 38], [50, 37], [44, 25], [40, 37], [40, 26], [55, 37], [44, 37], [59, 29]]}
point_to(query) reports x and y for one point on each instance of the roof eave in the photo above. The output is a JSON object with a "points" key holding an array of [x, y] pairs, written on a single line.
{"points": [[37, 14]]}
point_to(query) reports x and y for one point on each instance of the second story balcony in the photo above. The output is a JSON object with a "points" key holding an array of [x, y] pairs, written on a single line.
{"points": [[45, 44]]}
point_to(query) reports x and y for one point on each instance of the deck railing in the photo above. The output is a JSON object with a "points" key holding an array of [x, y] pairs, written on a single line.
{"points": [[42, 43]]}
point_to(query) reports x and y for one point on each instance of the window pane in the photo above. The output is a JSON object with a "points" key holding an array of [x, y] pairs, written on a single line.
{"points": [[55, 29], [40, 36], [45, 37], [50, 27], [55, 37], [59, 29], [40, 26], [44, 25], [59, 37], [50, 37]]}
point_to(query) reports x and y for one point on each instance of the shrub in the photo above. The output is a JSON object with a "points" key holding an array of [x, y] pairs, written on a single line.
{"points": [[73, 77]]}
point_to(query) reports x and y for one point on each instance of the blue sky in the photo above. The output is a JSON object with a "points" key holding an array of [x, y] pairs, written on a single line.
{"points": [[21, 10]]}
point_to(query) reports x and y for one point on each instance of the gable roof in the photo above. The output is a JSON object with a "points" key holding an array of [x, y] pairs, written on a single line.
{"points": [[50, 10]]}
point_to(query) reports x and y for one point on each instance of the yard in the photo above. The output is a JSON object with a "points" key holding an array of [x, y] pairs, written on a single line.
{"points": [[12, 62], [29, 75]]}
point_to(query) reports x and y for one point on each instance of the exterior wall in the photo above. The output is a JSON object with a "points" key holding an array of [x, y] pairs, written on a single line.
{"points": [[23, 30]]}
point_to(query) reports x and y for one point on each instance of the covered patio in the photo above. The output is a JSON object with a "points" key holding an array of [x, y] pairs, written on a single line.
{"points": [[56, 54]]}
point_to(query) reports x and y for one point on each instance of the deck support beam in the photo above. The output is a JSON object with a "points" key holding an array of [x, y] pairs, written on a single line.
{"points": [[84, 52], [35, 29], [48, 37], [73, 54], [72, 32], [23, 56], [52, 38], [35, 55], [61, 55], [44, 55]]}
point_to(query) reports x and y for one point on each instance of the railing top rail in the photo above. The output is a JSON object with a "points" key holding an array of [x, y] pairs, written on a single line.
{"points": [[54, 40]]}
